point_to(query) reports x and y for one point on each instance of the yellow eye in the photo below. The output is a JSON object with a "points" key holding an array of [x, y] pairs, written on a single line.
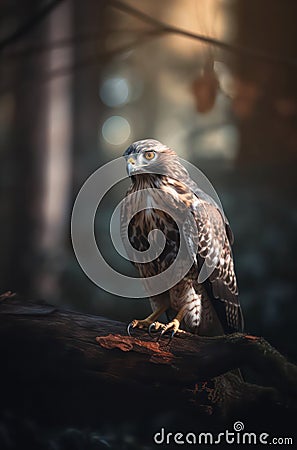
{"points": [[149, 155]]}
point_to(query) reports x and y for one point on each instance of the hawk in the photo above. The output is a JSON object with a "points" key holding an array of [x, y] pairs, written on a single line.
{"points": [[207, 308]]}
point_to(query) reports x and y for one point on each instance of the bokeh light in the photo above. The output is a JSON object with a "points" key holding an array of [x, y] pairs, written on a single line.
{"points": [[114, 91], [116, 130]]}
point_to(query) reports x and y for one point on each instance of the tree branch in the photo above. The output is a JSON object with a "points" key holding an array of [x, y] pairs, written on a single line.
{"points": [[238, 49], [58, 345], [29, 24]]}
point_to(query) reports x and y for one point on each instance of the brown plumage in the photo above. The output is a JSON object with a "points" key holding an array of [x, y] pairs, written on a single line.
{"points": [[207, 308]]}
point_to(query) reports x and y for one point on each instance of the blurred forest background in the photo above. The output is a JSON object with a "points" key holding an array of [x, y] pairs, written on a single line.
{"points": [[80, 81]]}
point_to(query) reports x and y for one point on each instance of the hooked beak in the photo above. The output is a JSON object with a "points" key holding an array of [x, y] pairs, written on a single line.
{"points": [[131, 166]]}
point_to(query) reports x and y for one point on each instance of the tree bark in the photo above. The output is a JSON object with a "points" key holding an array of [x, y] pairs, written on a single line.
{"points": [[63, 370], [43, 345]]}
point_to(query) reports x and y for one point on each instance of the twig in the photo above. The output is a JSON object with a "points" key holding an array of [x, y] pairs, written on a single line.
{"points": [[238, 49], [28, 25], [79, 39], [94, 60]]}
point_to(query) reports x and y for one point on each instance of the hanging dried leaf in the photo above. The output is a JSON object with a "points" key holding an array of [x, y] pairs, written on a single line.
{"points": [[205, 88]]}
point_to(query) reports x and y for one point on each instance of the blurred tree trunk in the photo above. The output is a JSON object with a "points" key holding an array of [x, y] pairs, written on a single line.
{"points": [[57, 159], [21, 160], [35, 161]]}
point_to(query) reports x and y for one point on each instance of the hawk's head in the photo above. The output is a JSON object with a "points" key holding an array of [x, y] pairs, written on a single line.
{"points": [[149, 156]]}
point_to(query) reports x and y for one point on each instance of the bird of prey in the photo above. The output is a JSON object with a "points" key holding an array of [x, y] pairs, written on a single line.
{"points": [[207, 308]]}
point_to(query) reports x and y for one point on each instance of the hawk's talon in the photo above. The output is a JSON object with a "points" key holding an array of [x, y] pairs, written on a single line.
{"points": [[162, 333], [155, 326], [170, 338], [174, 326], [142, 324], [152, 325], [130, 325], [136, 324]]}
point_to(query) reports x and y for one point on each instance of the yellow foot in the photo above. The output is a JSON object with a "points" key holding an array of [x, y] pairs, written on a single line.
{"points": [[146, 323], [155, 326], [172, 326], [138, 324]]}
